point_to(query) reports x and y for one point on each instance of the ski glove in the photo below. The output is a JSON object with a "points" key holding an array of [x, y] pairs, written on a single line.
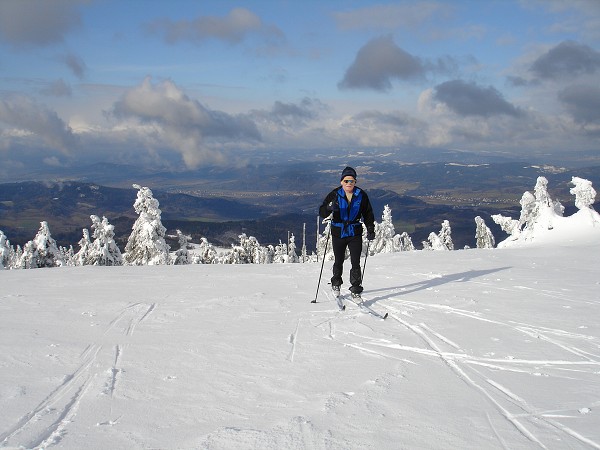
{"points": [[370, 235], [333, 206]]}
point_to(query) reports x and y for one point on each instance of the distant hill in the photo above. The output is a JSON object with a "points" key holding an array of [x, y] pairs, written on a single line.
{"points": [[67, 208], [268, 200]]}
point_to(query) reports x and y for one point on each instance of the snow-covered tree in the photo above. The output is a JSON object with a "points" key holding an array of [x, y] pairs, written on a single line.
{"points": [[28, 258], [384, 234], [68, 256], [584, 193], [42, 251], [529, 210], [16, 258], [403, 242], [303, 252], [281, 253], [182, 256], [436, 242], [268, 255], [251, 248], [324, 241], [540, 214], [6, 252], [541, 192], [146, 243], [445, 235], [206, 253], [104, 250], [85, 244], [483, 235], [292, 256], [507, 224]]}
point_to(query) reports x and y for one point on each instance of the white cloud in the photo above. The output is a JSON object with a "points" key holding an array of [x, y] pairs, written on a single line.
{"points": [[183, 124], [24, 114]]}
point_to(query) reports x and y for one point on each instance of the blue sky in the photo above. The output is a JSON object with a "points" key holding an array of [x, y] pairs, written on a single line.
{"points": [[185, 84]]}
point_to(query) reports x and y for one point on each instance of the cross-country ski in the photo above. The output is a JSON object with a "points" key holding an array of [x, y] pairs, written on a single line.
{"points": [[358, 301]]}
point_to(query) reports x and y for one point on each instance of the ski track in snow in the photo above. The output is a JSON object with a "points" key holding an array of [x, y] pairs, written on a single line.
{"points": [[537, 426], [47, 423], [293, 339]]}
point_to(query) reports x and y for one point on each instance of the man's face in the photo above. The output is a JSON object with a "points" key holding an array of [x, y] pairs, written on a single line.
{"points": [[348, 184]]}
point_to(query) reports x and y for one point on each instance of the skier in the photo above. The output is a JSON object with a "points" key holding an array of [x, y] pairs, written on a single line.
{"points": [[348, 204]]}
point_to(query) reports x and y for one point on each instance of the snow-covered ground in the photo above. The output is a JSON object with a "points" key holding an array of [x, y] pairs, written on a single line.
{"points": [[482, 349]]}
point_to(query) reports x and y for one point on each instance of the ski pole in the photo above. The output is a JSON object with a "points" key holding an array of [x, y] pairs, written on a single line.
{"points": [[322, 264], [365, 264]]}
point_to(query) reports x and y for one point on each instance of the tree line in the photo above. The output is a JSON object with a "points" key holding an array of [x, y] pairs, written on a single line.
{"points": [[146, 244]]}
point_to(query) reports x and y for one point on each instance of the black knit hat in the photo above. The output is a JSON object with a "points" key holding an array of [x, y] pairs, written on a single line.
{"points": [[348, 172]]}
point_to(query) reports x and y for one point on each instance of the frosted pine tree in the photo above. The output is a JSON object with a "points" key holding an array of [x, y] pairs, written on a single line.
{"points": [[529, 210], [384, 234], [42, 251], [292, 256], [28, 259], [68, 256], [324, 242], [483, 235], [303, 252], [85, 244], [182, 256], [445, 236], [104, 250], [250, 249], [436, 242], [539, 212], [540, 192], [234, 256], [584, 193], [267, 254], [281, 253], [206, 253], [146, 243], [6, 252], [403, 242], [508, 225]]}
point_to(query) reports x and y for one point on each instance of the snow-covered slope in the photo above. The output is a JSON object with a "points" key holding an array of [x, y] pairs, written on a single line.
{"points": [[482, 349], [551, 229]]}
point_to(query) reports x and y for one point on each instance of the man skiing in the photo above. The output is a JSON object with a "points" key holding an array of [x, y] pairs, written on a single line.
{"points": [[349, 204]]}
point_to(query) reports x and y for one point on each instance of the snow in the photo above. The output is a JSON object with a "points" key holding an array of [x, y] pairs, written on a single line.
{"points": [[483, 348], [551, 229]]}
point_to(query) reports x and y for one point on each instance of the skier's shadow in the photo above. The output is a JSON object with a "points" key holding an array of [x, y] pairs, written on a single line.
{"points": [[459, 277]]}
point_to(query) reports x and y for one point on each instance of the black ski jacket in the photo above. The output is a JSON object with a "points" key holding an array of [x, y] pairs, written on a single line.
{"points": [[346, 220]]}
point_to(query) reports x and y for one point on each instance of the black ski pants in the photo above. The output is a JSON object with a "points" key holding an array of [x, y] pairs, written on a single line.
{"points": [[354, 244]]}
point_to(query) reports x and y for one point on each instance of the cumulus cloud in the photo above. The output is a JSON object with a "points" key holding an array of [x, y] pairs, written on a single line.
{"points": [[184, 124], [37, 23], [470, 99], [380, 61], [567, 59], [233, 28], [25, 114], [583, 102]]}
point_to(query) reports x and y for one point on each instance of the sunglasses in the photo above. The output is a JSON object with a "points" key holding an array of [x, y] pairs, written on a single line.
{"points": [[349, 181]]}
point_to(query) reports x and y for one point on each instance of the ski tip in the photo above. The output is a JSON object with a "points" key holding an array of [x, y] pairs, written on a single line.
{"points": [[385, 316]]}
